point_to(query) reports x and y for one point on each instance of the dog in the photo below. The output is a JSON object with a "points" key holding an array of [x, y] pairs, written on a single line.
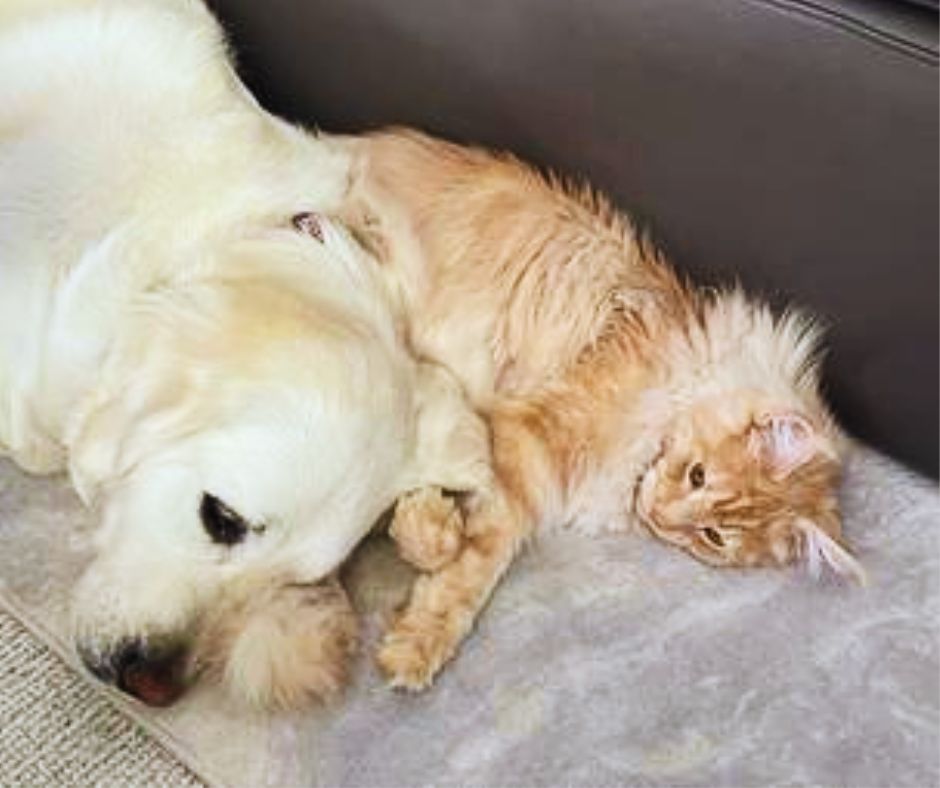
{"points": [[215, 362]]}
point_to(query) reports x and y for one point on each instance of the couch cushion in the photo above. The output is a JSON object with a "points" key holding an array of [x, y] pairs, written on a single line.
{"points": [[793, 145]]}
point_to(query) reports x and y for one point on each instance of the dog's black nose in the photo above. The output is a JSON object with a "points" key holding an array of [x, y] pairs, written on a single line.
{"points": [[155, 676], [129, 656], [99, 666]]}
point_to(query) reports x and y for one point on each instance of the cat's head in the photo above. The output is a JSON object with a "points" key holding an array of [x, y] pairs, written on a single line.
{"points": [[742, 482]]}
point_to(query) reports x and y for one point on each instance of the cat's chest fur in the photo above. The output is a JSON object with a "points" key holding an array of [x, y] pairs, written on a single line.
{"points": [[600, 493]]}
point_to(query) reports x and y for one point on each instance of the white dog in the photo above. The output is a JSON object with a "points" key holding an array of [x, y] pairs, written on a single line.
{"points": [[226, 386]]}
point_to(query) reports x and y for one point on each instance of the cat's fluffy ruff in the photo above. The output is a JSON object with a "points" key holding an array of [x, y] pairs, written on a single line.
{"points": [[599, 371]]}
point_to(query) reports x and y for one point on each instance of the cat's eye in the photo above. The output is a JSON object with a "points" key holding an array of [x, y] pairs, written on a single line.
{"points": [[223, 524], [697, 475], [713, 536]]}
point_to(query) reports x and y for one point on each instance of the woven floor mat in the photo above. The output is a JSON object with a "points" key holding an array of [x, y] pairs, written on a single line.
{"points": [[56, 730]]}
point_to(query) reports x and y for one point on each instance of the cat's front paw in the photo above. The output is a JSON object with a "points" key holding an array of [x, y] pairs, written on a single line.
{"points": [[411, 656], [427, 528]]}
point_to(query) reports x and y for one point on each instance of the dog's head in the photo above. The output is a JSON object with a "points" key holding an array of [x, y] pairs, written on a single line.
{"points": [[247, 430]]}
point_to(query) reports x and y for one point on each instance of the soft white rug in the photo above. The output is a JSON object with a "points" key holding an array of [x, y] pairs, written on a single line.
{"points": [[600, 662]]}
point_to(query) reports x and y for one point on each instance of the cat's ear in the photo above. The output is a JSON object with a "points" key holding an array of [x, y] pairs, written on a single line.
{"points": [[782, 442], [818, 550]]}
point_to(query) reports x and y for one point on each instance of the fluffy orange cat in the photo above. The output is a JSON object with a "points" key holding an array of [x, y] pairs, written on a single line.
{"points": [[614, 391]]}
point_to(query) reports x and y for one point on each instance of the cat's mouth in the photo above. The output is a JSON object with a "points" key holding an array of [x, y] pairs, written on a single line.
{"points": [[675, 534], [644, 496], [645, 485], [645, 510], [644, 491]]}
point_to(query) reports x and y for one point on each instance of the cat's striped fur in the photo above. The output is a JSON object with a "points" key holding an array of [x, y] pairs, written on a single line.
{"points": [[605, 379]]}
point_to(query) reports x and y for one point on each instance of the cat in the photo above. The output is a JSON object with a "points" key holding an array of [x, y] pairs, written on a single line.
{"points": [[614, 390]]}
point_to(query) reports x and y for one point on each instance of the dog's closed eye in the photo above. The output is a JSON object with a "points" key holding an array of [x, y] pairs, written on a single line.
{"points": [[223, 524]]}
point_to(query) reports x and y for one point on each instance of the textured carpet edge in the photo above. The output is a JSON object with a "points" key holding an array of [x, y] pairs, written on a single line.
{"points": [[161, 736]]}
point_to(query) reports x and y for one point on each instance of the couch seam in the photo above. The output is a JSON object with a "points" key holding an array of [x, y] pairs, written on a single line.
{"points": [[852, 24]]}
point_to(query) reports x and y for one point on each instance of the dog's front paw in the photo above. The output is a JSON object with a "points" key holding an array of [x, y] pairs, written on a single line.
{"points": [[427, 528]]}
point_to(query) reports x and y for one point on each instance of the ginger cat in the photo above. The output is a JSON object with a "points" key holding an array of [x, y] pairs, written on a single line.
{"points": [[614, 391]]}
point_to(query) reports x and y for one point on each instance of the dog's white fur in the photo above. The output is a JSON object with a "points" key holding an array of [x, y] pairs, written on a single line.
{"points": [[164, 331]]}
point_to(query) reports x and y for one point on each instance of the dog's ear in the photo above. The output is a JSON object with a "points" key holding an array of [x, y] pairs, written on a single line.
{"points": [[144, 398], [94, 444], [112, 438]]}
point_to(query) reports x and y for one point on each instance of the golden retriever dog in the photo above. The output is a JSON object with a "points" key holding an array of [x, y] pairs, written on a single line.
{"points": [[216, 364], [616, 392]]}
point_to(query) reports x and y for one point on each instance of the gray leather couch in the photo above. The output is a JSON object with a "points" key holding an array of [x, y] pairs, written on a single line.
{"points": [[791, 144]]}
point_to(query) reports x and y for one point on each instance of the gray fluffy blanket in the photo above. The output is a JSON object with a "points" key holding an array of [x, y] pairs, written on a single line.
{"points": [[608, 661]]}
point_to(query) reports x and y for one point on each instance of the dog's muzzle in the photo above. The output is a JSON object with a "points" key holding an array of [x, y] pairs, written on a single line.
{"points": [[154, 675]]}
